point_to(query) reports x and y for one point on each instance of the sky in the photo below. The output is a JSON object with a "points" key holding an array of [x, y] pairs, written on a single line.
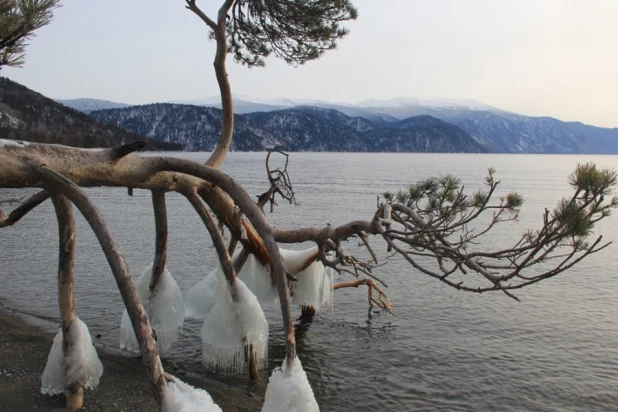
{"points": [[535, 57]]}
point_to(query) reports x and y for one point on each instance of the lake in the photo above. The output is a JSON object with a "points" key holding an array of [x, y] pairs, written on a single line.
{"points": [[446, 350]]}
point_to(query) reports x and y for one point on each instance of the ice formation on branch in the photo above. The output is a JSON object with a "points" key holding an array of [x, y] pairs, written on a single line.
{"points": [[288, 390], [257, 278], [315, 283], [81, 365], [202, 297], [183, 397], [236, 321], [165, 310]]}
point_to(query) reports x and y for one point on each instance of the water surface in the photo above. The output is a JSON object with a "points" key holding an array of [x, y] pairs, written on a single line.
{"points": [[445, 351]]}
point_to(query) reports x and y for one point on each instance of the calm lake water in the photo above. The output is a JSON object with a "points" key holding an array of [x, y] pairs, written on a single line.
{"points": [[446, 350]]}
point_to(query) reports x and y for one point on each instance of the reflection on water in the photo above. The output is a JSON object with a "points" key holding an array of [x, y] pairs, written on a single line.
{"points": [[445, 350]]}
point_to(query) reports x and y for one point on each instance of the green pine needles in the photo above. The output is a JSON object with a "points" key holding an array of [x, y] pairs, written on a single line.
{"points": [[296, 31], [433, 229], [18, 21]]}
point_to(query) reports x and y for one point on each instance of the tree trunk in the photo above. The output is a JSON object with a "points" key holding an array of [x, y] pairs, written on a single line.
{"points": [[227, 105]]}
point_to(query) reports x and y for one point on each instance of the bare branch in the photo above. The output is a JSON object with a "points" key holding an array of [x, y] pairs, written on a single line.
{"points": [[23, 209], [195, 9], [383, 301], [280, 183]]}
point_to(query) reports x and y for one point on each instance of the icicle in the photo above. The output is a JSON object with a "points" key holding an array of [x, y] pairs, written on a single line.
{"points": [[165, 311], [81, 364], [257, 278], [315, 283], [202, 297], [182, 397], [288, 390], [231, 326]]}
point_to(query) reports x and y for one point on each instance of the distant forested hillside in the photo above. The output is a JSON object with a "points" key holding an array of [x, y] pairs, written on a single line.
{"points": [[28, 115], [197, 128]]}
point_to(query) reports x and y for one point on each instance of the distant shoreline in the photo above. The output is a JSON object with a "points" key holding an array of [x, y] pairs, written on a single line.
{"points": [[124, 386]]}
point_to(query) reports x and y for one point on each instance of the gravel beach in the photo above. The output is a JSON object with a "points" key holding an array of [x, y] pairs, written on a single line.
{"points": [[123, 387]]}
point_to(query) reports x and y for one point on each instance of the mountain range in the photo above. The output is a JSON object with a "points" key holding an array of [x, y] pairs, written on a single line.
{"points": [[304, 128], [395, 125], [390, 126]]}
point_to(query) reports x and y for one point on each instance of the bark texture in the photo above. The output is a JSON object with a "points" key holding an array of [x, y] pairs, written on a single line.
{"points": [[74, 391]]}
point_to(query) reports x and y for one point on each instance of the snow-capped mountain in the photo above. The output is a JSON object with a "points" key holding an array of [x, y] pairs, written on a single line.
{"points": [[89, 105], [436, 103], [492, 129], [307, 128]]}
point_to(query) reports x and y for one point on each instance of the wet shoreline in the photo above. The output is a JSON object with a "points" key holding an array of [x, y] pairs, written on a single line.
{"points": [[25, 344]]}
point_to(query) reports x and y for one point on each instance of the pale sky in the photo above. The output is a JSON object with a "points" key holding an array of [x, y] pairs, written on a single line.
{"points": [[554, 58]]}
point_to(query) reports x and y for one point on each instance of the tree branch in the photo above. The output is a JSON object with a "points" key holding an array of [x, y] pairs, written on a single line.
{"points": [[160, 214], [383, 301], [74, 391], [23, 209], [145, 336]]}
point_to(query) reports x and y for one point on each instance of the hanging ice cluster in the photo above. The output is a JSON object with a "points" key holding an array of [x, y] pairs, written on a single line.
{"points": [[202, 297], [257, 278], [165, 311], [315, 283], [183, 397], [314, 286], [232, 325], [81, 364], [288, 390]]}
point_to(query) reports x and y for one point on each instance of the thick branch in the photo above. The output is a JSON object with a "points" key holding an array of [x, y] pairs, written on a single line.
{"points": [[160, 214], [321, 235], [227, 127], [74, 391], [99, 167]]}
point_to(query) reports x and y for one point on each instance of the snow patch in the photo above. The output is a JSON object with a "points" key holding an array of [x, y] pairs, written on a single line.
{"points": [[16, 143], [183, 397], [80, 365], [165, 310], [230, 326], [288, 390]]}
